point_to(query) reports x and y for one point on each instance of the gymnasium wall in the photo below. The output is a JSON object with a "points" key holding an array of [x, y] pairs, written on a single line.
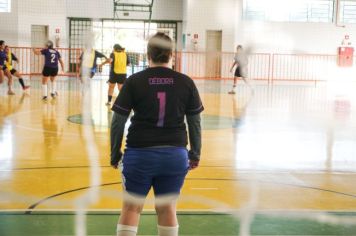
{"points": [[203, 15], [301, 38], [39, 12], [9, 25], [16, 26], [275, 37]]}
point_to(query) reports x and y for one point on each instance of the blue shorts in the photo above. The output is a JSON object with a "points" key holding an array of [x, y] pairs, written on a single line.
{"points": [[164, 169], [92, 71]]}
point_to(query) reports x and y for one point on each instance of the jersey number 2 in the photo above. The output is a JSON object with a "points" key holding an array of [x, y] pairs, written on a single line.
{"points": [[162, 108], [53, 58]]}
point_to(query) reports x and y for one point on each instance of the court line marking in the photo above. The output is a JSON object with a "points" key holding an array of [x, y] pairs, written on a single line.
{"points": [[241, 171], [33, 206]]}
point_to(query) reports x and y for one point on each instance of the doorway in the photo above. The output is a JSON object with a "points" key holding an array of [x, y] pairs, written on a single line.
{"points": [[213, 53], [39, 36]]}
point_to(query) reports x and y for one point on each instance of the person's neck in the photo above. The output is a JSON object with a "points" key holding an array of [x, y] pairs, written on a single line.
{"points": [[151, 65]]}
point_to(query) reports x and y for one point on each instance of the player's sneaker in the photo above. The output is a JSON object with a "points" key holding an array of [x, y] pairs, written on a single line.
{"points": [[26, 87], [232, 92], [54, 95], [44, 98], [10, 92], [108, 104]]}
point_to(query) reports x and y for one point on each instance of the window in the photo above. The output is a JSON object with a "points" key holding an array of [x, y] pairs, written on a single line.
{"points": [[289, 10], [348, 11], [5, 5]]}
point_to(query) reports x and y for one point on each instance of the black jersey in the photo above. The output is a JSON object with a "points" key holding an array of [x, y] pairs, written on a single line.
{"points": [[160, 98]]}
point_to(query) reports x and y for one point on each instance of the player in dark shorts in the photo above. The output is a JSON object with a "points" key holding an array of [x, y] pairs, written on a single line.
{"points": [[156, 155], [3, 69], [88, 66], [3, 58], [241, 63], [50, 69], [119, 62], [10, 70]]}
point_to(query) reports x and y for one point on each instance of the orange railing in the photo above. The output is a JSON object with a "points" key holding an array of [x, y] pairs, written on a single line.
{"points": [[262, 66]]}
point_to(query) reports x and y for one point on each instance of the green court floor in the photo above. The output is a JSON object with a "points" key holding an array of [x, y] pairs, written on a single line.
{"points": [[62, 223]]}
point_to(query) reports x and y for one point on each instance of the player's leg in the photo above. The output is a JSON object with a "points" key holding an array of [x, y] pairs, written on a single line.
{"points": [[244, 77], [1, 76], [46, 72], [44, 87], [9, 82], [246, 81], [236, 76], [173, 167], [120, 81], [113, 80], [110, 93], [21, 81], [136, 170], [233, 89], [54, 92], [167, 220], [53, 75], [129, 219]]}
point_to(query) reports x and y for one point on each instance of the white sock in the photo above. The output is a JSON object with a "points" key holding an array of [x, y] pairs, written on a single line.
{"points": [[126, 230], [54, 87], [168, 230], [44, 90]]}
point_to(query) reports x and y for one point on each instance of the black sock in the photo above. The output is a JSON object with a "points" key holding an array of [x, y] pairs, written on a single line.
{"points": [[109, 98], [22, 83]]}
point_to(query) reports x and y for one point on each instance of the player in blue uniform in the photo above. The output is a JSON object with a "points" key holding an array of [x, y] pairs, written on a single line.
{"points": [[3, 58], [3, 69], [155, 154], [50, 69]]}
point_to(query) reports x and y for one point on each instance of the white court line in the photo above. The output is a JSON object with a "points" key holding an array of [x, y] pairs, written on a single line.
{"points": [[23, 112]]}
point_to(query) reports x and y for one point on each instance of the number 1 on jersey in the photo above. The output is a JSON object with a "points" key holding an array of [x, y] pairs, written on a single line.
{"points": [[162, 108]]}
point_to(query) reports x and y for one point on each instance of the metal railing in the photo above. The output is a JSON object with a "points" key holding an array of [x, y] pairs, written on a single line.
{"points": [[208, 65]]}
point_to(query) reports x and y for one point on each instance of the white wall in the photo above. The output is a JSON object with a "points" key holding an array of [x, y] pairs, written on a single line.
{"points": [[39, 12], [276, 37], [203, 15], [16, 29], [319, 38], [284, 37], [9, 25]]}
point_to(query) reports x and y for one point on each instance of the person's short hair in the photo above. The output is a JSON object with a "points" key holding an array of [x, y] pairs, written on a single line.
{"points": [[49, 44], [2, 42], [239, 47], [118, 48], [159, 48]]}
